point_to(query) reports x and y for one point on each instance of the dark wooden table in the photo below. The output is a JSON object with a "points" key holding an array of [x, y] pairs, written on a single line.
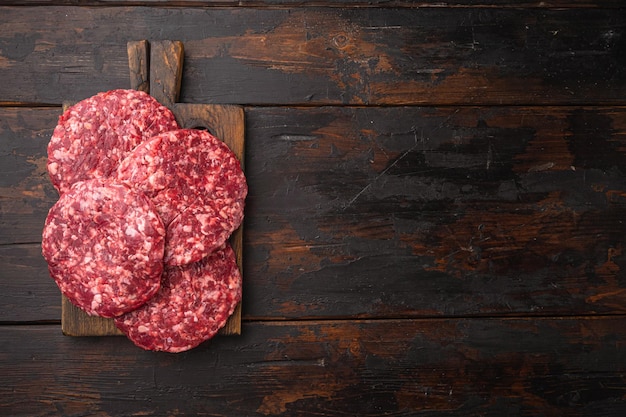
{"points": [[436, 222]]}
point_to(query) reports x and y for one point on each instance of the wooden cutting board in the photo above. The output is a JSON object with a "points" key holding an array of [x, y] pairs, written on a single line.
{"points": [[156, 68]]}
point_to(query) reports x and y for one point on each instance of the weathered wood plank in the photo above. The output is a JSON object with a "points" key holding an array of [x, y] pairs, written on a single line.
{"points": [[27, 292], [473, 367], [401, 211], [138, 61], [325, 55], [404, 211], [26, 193]]}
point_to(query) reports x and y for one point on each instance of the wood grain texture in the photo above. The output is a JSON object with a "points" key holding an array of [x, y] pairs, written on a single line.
{"points": [[462, 258], [402, 212], [26, 193], [435, 211], [318, 56], [550, 367], [138, 65], [166, 70], [27, 290]]}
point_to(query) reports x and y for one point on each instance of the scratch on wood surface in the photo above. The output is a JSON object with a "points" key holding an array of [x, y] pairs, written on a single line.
{"points": [[321, 362], [542, 167], [294, 137], [383, 172], [382, 27]]}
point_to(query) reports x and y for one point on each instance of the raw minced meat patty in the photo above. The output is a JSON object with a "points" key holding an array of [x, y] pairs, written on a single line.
{"points": [[194, 302], [199, 229], [104, 244], [197, 185], [95, 134]]}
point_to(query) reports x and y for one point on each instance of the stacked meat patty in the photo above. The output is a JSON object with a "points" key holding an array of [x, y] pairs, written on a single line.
{"points": [[140, 231]]}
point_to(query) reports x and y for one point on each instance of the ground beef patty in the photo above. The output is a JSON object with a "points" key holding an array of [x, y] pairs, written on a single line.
{"points": [[194, 302], [197, 185], [104, 244], [95, 134]]}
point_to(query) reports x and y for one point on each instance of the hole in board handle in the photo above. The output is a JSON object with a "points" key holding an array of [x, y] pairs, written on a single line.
{"points": [[201, 127]]}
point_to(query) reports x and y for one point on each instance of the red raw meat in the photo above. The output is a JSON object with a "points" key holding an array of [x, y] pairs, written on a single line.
{"points": [[194, 302], [197, 185], [104, 244], [95, 134]]}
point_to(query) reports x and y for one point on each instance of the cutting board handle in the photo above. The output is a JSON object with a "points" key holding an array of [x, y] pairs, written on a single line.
{"points": [[156, 68], [138, 64], [166, 70]]}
